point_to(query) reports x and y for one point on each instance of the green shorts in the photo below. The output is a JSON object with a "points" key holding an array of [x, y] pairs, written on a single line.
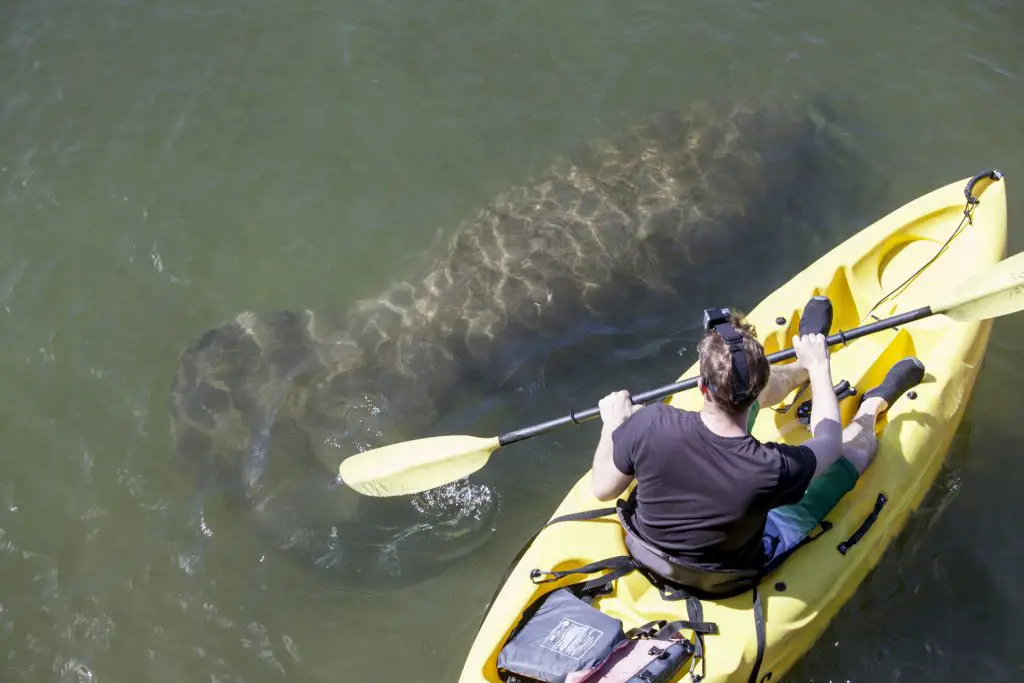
{"points": [[789, 525]]}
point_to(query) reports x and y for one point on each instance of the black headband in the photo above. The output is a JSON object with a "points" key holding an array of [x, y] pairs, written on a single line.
{"points": [[717, 319]]}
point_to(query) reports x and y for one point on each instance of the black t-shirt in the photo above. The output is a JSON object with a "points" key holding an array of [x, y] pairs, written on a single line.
{"points": [[701, 496]]}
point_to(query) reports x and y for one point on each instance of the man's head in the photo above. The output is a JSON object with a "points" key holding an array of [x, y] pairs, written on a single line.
{"points": [[716, 367]]}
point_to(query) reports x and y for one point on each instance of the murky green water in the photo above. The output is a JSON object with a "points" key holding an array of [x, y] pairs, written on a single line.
{"points": [[166, 165]]}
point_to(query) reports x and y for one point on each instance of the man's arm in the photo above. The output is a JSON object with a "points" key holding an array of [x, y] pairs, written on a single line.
{"points": [[782, 379], [826, 428], [607, 481]]}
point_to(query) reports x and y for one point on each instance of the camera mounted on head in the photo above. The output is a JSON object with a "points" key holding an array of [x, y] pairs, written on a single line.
{"points": [[717, 320]]}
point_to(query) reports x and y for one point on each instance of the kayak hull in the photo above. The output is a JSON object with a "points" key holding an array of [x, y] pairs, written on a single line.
{"points": [[892, 266]]}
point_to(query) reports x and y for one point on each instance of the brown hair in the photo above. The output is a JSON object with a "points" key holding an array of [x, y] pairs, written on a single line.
{"points": [[716, 366]]}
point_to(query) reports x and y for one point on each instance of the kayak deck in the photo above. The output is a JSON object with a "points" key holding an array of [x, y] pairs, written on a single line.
{"points": [[890, 267]]}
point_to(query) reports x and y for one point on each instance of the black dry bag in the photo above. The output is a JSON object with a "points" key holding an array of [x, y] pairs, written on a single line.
{"points": [[565, 635]]}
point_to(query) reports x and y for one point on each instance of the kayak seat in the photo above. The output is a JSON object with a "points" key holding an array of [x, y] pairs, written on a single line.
{"points": [[698, 580]]}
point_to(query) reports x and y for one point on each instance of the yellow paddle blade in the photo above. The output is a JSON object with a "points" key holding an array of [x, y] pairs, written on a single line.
{"points": [[997, 291], [414, 466]]}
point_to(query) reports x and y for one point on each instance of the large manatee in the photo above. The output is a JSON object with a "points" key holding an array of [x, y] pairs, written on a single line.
{"points": [[619, 235]]}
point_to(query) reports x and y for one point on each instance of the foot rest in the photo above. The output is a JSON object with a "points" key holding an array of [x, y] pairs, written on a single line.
{"points": [[843, 390]]}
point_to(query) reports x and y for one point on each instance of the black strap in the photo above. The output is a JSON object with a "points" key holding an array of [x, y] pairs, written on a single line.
{"points": [[588, 590], [661, 627], [601, 585], [759, 629], [587, 515], [668, 592], [708, 627], [696, 613], [583, 516], [740, 374], [647, 630], [615, 563], [865, 525], [572, 517]]}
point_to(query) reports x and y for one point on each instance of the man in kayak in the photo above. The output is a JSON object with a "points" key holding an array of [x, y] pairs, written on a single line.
{"points": [[710, 493]]}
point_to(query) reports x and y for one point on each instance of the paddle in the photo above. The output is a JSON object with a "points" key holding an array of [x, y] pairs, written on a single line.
{"points": [[421, 464]]}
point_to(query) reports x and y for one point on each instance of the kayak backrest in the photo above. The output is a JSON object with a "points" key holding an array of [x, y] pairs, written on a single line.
{"points": [[698, 580]]}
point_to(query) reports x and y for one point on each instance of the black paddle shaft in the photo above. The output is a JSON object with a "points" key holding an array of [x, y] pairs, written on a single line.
{"points": [[669, 389]]}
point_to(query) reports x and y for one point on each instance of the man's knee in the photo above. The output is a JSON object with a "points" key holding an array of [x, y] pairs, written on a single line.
{"points": [[860, 436], [860, 458]]}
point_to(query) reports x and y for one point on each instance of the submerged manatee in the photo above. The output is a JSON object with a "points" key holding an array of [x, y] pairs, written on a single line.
{"points": [[617, 236]]}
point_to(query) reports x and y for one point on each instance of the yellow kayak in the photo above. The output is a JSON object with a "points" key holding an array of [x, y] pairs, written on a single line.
{"points": [[890, 267]]}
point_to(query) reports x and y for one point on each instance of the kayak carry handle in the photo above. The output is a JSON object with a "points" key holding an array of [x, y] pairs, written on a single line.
{"points": [[880, 502], [994, 174]]}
